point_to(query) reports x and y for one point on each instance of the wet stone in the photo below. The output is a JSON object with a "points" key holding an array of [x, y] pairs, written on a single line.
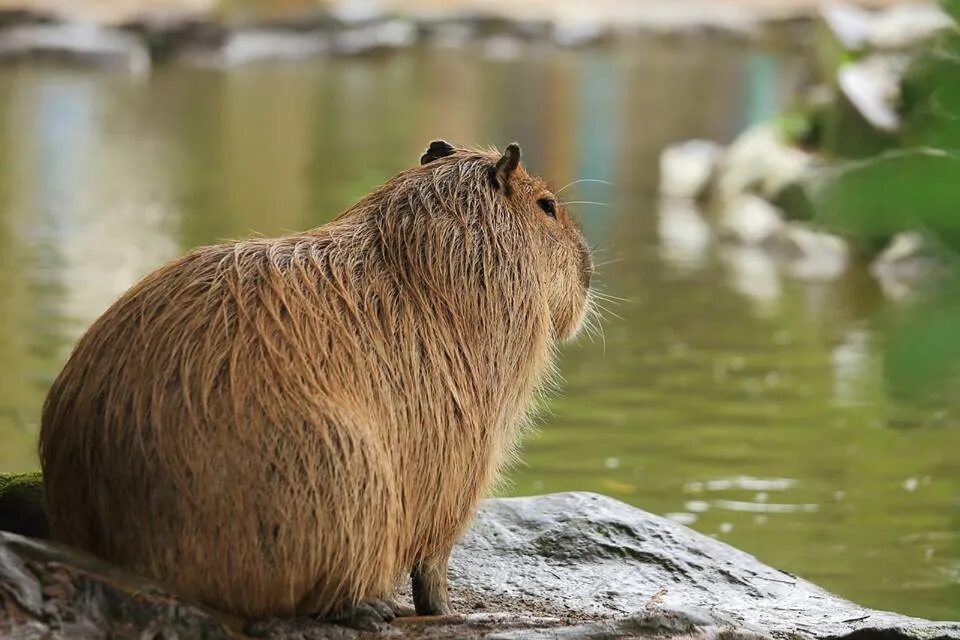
{"points": [[568, 565], [81, 44]]}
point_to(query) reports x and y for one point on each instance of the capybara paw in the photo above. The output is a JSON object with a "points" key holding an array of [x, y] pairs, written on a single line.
{"points": [[367, 615], [400, 610], [436, 607]]}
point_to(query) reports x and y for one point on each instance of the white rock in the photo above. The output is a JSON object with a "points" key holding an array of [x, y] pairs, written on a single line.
{"points": [[357, 11], [261, 45], [576, 25], [904, 246], [76, 42], [873, 87], [750, 220], [760, 161], [392, 34], [686, 168]]}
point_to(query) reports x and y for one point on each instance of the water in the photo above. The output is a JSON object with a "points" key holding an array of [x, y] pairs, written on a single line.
{"points": [[746, 405]]}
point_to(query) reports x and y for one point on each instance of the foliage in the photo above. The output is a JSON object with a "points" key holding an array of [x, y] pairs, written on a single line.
{"points": [[21, 505], [925, 348], [897, 191], [930, 94], [912, 184]]}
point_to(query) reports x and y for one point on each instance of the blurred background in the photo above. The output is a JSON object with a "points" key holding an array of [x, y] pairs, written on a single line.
{"points": [[771, 188]]}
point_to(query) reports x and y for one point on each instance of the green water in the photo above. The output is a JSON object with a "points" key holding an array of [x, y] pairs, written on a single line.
{"points": [[747, 405]]}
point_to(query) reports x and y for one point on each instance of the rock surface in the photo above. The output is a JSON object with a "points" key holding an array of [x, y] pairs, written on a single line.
{"points": [[572, 565], [84, 44], [258, 45], [872, 86]]}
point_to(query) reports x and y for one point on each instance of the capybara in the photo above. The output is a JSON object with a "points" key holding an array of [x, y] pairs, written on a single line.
{"points": [[287, 426]]}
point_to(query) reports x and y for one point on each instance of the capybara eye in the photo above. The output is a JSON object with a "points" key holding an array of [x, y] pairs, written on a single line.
{"points": [[549, 206]]}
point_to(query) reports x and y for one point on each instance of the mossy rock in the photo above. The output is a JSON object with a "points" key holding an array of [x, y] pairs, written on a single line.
{"points": [[21, 505]]}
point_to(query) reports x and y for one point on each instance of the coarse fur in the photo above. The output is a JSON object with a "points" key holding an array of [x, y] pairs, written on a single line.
{"points": [[282, 426]]}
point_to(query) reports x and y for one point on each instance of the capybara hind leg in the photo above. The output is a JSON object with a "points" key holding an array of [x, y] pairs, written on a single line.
{"points": [[429, 578]]}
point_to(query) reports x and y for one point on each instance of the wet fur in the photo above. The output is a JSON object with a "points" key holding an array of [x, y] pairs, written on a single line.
{"points": [[280, 426]]}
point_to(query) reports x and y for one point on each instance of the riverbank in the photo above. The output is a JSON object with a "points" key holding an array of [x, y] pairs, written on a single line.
{"points": [[136, 34], [638, 11]]}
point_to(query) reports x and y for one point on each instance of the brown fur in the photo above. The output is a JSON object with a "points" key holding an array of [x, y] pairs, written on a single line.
{"points": [[279, 426]]}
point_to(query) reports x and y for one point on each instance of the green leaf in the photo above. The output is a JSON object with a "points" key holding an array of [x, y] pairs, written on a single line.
{"points": [[876, 198]]}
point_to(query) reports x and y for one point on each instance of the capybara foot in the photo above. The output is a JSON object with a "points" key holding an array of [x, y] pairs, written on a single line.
{"points": [[429, 581], [367, 615], [401, 610]]}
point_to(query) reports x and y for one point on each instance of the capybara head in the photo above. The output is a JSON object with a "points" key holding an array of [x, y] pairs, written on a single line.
{"points": [[554, 241]]}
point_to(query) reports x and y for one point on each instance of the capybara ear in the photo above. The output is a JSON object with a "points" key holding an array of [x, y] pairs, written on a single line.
{"points": [[437, 149], [505, 167]]}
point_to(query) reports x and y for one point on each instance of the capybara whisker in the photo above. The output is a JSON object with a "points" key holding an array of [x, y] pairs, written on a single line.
{"points": [[570, 184]]}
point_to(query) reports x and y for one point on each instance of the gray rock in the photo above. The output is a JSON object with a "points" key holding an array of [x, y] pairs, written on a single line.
{"points": [[589, 554], [260, 45], [353, 12], [572, 565], [76, 43], [52, 592], [378, 36]]}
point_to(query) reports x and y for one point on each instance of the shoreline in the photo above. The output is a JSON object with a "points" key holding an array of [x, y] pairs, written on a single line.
{"points": [[136, 37]]}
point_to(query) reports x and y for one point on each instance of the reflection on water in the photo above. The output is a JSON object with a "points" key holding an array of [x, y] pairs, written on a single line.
{"points": [[723, 394], [684, 235]]}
